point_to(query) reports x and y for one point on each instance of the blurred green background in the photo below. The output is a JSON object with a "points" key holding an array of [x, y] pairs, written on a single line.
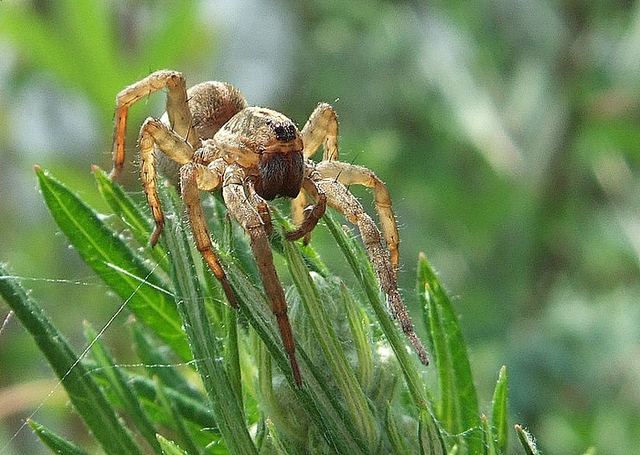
{"points": [[507, 132]]}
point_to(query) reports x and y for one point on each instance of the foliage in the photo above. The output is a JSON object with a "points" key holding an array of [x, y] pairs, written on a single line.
{"points": [[356, 397]]}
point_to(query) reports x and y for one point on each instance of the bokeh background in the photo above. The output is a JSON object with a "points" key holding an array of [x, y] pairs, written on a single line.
{"points": [[507, 131]]}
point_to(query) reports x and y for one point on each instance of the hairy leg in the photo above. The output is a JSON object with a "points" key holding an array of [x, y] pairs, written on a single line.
{"points": [[173, 146], [342, 200], [320, 129], [243, 208], [350, 174], [311, 214], [177, 109], [195, 177]]}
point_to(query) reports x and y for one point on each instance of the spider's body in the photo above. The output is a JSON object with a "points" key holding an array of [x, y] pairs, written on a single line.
{"points": [[255, 155], [272, 151]]}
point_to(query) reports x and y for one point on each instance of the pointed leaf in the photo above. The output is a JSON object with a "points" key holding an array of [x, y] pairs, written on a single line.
{"points": [[499, 412], [123, 206], [429, 435], [489, 443], [127, 274], [169, 447], [121, 387], [158, 363], [55, 442], [275, 439], [206, 347], [527, 440], [194, 410], [86, 396], [458, 407], [317, 398], [361, 268], [398, 444], [352, 393], [359, 324], [185, 436]]}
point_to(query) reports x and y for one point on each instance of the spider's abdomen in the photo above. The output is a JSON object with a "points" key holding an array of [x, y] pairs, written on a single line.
{"points": [[280, 174], [212, 104]]}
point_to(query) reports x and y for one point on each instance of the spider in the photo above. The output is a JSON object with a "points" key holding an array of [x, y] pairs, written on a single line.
{"points": [[255, 155]]}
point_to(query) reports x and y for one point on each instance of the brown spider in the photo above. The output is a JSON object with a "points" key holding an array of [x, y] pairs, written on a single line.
{"points": [[255, 155]]}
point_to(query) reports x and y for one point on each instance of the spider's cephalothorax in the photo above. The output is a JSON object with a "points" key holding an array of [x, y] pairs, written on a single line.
{"points": [[278, 145], [255, 155]]}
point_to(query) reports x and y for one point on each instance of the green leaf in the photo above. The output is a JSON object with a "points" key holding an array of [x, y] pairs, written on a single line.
{"points": [[86, 396], [123, 206], [499, 412], [357, 259], [127, 274], [352, 393], [185, 436], [430, 435], [123, 390], [158, 363], [275, 439], [358, 322], [55, 442], [232, 353], [458, 407], [194, 410], [398, 444], [207, 349], [488, 439], [527, 441], [316, 396], [170, 447]]}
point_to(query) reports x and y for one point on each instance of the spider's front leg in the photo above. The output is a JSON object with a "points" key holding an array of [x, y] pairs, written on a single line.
{"points": [[350, 174], [320, 129], [177, 109], [310, 215], [196, 177], [246, 210], [342, 200], [153, 131]]}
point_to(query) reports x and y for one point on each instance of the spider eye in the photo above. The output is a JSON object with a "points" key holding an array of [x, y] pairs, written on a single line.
{"points": [[285, 133]]}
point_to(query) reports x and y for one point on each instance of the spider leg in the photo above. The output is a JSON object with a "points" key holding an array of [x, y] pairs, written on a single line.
{"points": [[260, 204], [349, 174], [155, 132], [196, 177], [245, 210], [298, 204], [342, 200], [177, 109], [320, 129], [313, 213]]}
